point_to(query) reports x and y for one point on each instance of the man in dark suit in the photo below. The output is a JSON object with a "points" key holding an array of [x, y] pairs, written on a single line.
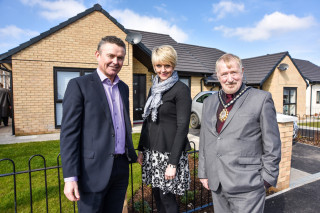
{"points": [[240, 147], [95, 142]]}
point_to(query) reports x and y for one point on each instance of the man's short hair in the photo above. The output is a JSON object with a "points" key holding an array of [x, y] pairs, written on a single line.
{"points": [[111, 40], [1, 85], [227, 58]]}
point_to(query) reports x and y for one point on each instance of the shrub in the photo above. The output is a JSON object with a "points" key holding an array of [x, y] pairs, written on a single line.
{"points": [[139, 207], [189, 195]]}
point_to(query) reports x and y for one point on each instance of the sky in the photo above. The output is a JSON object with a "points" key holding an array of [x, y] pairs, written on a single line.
{"points": [[247, 28]]}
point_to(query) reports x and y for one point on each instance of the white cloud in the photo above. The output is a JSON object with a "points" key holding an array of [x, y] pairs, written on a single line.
{"points": [[12, 31], [227, 7], [13, 36], [57, 10], [132, 20], [161, 8], [274, 24]]}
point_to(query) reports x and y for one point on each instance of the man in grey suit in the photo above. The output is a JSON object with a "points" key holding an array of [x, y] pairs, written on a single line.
{"points": [[240, 147], [95, 141]]}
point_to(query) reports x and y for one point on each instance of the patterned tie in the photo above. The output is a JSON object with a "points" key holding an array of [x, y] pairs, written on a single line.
{"points": [[219, 123], [229, 97]]}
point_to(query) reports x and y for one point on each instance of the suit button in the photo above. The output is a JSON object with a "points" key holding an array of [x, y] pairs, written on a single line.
{"points": [[112, 135]]}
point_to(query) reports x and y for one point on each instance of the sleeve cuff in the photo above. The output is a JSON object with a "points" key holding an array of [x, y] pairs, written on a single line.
{"points": [[266, 184], [69, 179]]}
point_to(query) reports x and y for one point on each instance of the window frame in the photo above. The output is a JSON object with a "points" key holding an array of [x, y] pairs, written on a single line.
{"points": [[317, 97], [186, 77], [81, 71], [290, 89]]}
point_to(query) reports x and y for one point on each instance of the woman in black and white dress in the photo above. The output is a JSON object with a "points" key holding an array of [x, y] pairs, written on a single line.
{"points": [[163, 142]]}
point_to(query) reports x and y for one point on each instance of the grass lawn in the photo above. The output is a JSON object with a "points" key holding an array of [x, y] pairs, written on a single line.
{"points": [[20, 154], [311, 124]]}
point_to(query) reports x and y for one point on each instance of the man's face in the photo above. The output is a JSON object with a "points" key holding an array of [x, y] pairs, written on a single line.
{"points": [[230, 77], [110, 59]]}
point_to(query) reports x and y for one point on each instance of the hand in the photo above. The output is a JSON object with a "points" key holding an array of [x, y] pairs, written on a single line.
{"points": [[140, 158], [170, 173], [205, 183], [266, 185], [71, 190]]}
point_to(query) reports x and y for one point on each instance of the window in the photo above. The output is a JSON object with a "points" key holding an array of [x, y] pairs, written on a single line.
{"points": [[289, 101], [185, 80], [202, 97], [318, 97], [62, 76]]}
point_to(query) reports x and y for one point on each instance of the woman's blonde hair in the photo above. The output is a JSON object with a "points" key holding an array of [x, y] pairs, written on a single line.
{"points": [[164, 54]]}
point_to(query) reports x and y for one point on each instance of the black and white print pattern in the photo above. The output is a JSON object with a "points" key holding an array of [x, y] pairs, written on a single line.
{"points": [[154, 168]]}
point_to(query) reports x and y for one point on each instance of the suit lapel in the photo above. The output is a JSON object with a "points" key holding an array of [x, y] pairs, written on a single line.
{"points": [[125, 105], [214, 106], [234, 109], [96, 83]]}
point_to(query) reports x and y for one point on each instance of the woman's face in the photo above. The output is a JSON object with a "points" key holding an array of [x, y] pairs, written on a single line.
{"points": [[164, 71]]}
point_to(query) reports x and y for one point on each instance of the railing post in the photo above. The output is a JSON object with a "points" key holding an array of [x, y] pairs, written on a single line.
{"points": [[59, 182], [14, 182], [45, 179]]}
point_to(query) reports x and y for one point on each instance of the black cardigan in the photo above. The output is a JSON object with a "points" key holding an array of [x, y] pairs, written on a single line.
{"points": [[169, 132]]}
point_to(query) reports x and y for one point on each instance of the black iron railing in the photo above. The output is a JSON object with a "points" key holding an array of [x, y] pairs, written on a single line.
{"points": [[309, 128], [189, 206]]}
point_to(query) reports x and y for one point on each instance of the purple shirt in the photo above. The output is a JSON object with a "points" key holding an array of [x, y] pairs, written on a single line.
{"points": [[116, 109]]}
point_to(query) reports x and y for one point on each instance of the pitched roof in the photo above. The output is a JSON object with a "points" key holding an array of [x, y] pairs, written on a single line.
{"points": [[186, 61], [258, 69], [43, 35], [206, 55], [309, 70]]}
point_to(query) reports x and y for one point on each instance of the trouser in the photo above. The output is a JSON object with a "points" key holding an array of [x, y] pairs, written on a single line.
{"points": [[112, 198], [5, 120], [166, 203], [248, 202]]}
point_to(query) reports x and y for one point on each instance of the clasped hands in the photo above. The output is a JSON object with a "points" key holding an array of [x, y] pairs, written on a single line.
{"points": [[170, 173]]}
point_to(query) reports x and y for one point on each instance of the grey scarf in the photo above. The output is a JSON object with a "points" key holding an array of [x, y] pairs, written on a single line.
{"points": [[157, 90]]}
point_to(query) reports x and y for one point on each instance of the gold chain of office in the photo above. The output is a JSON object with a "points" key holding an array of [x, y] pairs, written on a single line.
{"points": [[224, 113]]}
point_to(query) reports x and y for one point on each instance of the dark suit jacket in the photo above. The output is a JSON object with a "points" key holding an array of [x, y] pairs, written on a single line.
{"points": [[169, 132], [87, 139], [248, 148], [5, 103]]}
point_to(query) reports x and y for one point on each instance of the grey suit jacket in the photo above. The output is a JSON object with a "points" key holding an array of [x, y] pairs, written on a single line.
{"points": [[87, 138], [248, 148]]}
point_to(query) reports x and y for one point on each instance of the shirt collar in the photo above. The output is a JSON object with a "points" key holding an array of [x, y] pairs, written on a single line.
{"points": [[104, 78], [224, 96]]}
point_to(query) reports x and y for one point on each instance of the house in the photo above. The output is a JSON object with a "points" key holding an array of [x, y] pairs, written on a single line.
{"points": [[5, 76], [311, 72], [41, 68]]}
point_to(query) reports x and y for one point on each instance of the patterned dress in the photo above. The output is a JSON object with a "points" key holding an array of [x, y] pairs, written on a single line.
{"points": [[154, 168]]}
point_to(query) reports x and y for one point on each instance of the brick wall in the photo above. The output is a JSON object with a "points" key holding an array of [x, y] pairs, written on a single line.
{"points": [[32, 70], [286, 131], [139, 68], [289, 78], [196, 86]]}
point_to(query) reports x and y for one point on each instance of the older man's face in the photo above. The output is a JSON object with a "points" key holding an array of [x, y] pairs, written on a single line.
{"points": [[230, 76]]}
